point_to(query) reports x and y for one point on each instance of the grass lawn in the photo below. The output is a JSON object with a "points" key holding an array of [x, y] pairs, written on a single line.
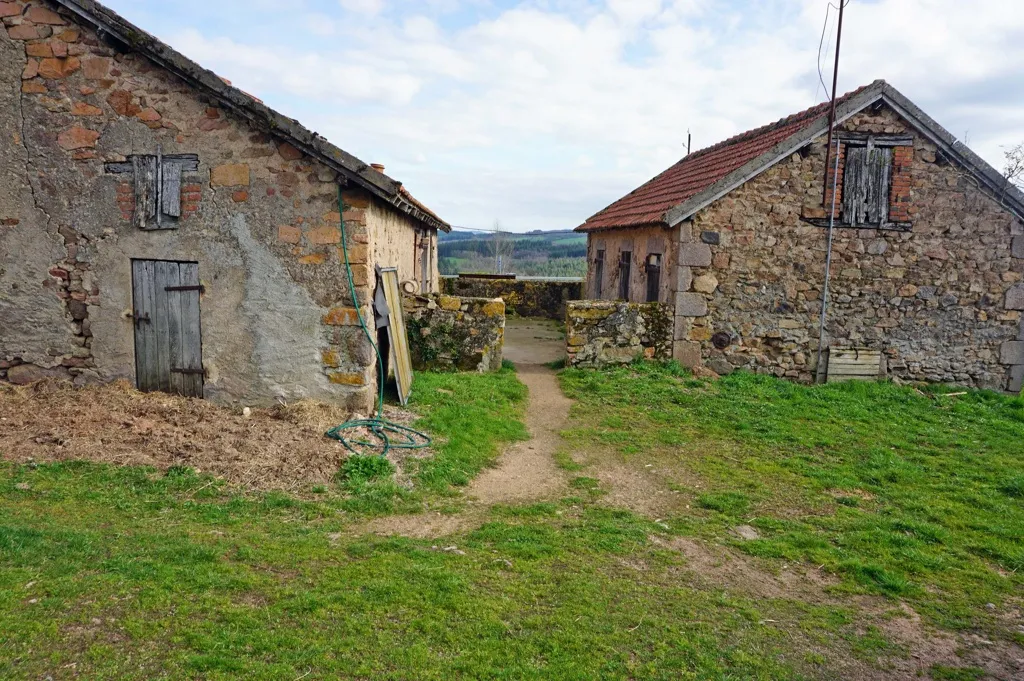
{"points": [[901, 493], [131, 573]]}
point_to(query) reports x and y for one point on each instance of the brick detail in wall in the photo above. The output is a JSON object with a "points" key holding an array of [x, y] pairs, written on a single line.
{"points": [[899, 193], [126, 200], [191, 194], [190, 197], [832, 170]]}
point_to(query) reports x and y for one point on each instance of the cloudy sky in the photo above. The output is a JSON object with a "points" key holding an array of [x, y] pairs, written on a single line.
{"points": [[538, 113]]}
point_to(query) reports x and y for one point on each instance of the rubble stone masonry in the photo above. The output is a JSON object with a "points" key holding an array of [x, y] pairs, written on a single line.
{"points": [[608, 332], [943, 301], [260, 218], [452, 333], [526, 298]]}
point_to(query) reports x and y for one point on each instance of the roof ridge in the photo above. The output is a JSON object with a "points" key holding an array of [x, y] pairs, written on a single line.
{"points": [[680, 167], [808, 113], [258, 114]]}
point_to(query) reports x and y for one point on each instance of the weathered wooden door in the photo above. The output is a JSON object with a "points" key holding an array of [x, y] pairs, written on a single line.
{"points": [[168, 342]]}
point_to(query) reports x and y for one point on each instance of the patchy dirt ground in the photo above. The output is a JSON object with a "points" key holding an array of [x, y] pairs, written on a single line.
{"points": [[282, 448], [526, 471]]}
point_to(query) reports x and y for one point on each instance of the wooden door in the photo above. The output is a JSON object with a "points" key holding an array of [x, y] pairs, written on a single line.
{"points": [[168, 342]]}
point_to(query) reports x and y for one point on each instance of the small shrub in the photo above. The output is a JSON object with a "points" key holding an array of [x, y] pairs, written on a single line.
{"points": [[941, 672], [728, 503], [359, 469], [1013, 487]]}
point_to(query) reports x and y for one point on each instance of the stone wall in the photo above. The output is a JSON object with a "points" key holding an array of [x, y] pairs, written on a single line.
{"points": [[260, 218], [449, 333], [942, 301], [525, 298], [603, 332]]}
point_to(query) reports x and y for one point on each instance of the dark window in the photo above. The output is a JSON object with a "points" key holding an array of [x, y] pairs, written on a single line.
{"points": [[625, 263], [653, 277], [599, 273], [867, 177]]}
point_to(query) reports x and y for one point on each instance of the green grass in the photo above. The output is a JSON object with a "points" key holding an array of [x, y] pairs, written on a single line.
{"points": [[133, 574], [898, 492]]}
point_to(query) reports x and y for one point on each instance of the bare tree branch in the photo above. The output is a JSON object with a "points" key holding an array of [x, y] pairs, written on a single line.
{"points": [[1014, 169]]}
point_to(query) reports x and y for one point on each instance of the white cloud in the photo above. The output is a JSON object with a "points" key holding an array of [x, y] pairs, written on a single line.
{"points": [[320, 24], [543, 113], [363, 6]]}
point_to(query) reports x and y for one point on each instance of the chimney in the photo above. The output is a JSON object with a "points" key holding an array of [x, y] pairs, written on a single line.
{"points": [[379, 167]]}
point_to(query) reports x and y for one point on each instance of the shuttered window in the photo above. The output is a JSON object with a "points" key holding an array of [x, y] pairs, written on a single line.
{"points": [[157, 180], [653, 277], [866, 185], [875, 180], [625, 271]]}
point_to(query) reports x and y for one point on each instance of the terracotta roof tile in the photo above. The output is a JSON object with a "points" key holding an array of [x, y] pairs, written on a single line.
{"points": [[647, 204]]}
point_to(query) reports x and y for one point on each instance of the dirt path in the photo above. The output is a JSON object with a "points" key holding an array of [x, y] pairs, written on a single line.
{"points": [[526, 471]]}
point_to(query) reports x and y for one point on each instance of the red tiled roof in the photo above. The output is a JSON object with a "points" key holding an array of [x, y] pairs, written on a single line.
{"points": [[647, 204], [419, 204]]}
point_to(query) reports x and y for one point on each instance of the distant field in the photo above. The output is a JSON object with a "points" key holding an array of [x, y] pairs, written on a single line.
{"points": [[554, 254]]}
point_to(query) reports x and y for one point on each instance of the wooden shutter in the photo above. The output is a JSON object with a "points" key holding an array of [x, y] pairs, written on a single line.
{"points": [[625, 271], [145, 171], [653, 277], [866, 181], [170, 189]]}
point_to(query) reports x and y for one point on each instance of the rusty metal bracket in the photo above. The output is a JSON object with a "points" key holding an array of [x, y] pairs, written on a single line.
{"points": [[197, 287], [196, 372]]}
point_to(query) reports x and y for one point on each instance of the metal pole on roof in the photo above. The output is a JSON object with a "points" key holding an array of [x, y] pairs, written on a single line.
{"points": [[835, 183], [832, 111]]}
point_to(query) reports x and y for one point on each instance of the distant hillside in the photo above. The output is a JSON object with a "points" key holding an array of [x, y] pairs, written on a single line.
{"points": [[560, 253]]}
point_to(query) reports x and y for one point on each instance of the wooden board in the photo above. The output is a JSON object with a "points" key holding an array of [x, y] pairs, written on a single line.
{"points": [[191, 333], [401, 359], [854, 364]]}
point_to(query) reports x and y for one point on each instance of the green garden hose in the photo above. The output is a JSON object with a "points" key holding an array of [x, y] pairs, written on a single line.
{"points": [[382, 429]]}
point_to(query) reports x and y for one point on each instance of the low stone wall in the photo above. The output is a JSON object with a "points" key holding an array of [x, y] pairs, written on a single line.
{"points": [[450, 333], [603, 332], [523, 297]]}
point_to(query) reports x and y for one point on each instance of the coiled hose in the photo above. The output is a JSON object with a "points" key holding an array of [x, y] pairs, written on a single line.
{"points": [[388, 434]]}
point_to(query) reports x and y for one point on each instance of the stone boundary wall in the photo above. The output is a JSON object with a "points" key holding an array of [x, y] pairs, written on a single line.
{"points": [[523, 297], [603, 332], [451, 333]]}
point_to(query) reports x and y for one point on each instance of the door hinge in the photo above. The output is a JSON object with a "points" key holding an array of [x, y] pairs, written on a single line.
{"points": [[139, 318], [196, 287]]}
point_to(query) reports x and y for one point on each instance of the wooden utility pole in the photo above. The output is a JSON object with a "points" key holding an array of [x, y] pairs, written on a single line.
{"points": [[832, 206]]}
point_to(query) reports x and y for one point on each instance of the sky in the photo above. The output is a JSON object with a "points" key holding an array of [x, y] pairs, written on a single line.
{"points": [[538, 113]]}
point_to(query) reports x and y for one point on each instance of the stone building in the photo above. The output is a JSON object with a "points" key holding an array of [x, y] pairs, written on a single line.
{"points": [[927, 258], [161, 226]]}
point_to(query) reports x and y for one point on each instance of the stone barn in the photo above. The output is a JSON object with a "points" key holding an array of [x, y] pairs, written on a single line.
{"points": [[927, 258], [161, 226]]}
